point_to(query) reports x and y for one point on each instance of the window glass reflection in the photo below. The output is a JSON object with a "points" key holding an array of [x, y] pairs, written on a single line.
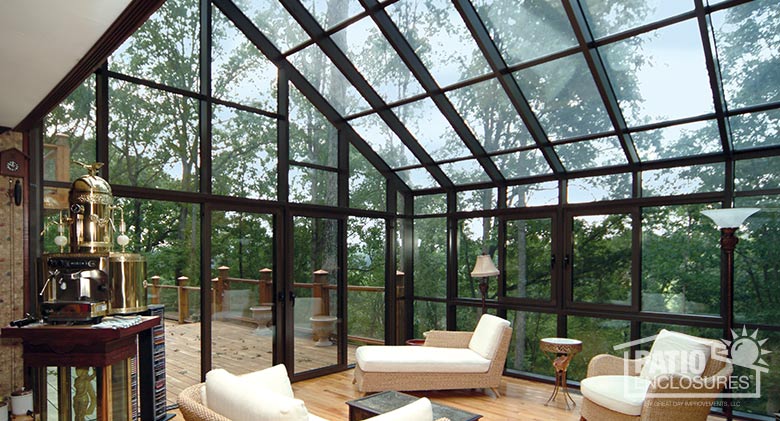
{"points": [[595, 189], [648, 70], [429, 126], [329, 13], [374, 57], [239, 71], [678, 141], [438, 35], [607, 17], [491, 116], [384, 141], [522, 164], [683, 180], [418, 178], [509, 23], [464, 172], [564, 98], [746, 39], [596, 153], [328, 80], [756, 129]]}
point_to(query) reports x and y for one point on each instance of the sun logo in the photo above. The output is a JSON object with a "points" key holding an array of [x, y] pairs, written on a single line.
{"points": [[745, 350]]}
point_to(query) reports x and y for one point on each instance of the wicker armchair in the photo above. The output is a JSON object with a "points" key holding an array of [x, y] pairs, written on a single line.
{"points": [[404, 379], [191, 407], [656, 406]]}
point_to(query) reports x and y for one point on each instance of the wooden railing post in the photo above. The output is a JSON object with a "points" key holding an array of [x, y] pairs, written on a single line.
{"points": [[222, 284], [265, 287], [154, 295], [184, 298], [400, 310], [320, 280]]}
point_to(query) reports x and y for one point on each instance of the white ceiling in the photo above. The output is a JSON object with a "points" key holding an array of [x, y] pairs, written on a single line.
{"points": [[40, 42]]}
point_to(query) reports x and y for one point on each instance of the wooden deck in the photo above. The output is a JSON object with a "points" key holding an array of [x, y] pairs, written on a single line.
{"points": [[237, 347]]}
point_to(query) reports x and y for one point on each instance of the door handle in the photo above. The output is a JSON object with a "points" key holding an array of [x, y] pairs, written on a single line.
{"points": [[552, 261], [292, 298], [566, 260]]}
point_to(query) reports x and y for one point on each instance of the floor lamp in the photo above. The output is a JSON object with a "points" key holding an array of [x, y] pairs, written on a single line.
{"points": [[483, 269], [729, 220]]}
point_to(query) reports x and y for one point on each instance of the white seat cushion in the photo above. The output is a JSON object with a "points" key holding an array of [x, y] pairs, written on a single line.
{"points": [[624, 394], [419, 410], [487, 335], [238, 399], [420, 359], [676, 353]]}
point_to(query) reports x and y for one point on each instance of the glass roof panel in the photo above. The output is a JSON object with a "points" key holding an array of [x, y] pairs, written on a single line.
{"points": [[522, 164], [317, 68], [476, 200], [239, 71], [384, 141], [418, 178], [564, 97], [275, 23], [329, 13], [660, 75], [538, 194], [677, 141], [371, 53], [746, 38], [312, 138], [595, 189], [757, 174], [165, 49], [440, 38], [429, 126], [683, 180], [491, 116], [525, 30], [606, 17], [596, 153], [465, 172], [756, 129]]}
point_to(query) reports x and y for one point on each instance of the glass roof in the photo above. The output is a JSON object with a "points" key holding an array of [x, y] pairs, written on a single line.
{"points": [[471, 95]]}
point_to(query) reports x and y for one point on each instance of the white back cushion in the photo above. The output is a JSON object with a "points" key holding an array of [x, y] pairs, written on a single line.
{"points": [[274, 379], [487, 335], [238, 399], [419, 410], [676, 353], [624, 394]]}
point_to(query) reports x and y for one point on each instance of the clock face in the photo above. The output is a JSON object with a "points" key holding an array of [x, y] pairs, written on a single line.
{"points": [[12, 166]]}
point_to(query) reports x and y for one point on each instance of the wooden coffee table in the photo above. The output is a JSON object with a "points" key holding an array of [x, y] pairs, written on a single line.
{"points": [[369, 406]]}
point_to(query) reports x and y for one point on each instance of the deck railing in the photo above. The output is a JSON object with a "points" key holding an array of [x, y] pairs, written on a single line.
{"points": [[224, 282]]}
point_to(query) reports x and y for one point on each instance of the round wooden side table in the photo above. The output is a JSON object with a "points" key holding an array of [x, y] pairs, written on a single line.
{"points": [[563, 350]]}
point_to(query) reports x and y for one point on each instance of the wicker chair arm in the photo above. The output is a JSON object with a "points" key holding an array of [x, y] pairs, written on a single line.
{"points": [[448, 339], [192, 409], [664, 402], [606, 365]]}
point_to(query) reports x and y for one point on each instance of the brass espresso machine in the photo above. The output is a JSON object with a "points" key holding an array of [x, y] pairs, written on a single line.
{"points": [[91, 281]]}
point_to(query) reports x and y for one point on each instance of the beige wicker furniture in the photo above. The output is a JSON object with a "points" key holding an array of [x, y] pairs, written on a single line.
{"points": [[656, 399], [268, 389], [448, 360]]}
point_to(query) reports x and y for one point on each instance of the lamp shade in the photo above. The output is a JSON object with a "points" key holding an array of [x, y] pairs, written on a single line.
{"points": [[484, 267], [729, 217]]}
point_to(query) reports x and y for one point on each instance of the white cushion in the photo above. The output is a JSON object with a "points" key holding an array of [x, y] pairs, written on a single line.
{"points": [[274, 379], [624, 394], [238, 399], [416, 359], [676, 353], [419, 410], [487, 335]]}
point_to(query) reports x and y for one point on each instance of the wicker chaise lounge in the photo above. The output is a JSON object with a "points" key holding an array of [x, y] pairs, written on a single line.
{"points": [[448, 360]]}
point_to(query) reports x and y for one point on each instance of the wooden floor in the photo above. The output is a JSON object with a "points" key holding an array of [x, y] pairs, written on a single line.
{"points": [[236, 347], [520, 400]]}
